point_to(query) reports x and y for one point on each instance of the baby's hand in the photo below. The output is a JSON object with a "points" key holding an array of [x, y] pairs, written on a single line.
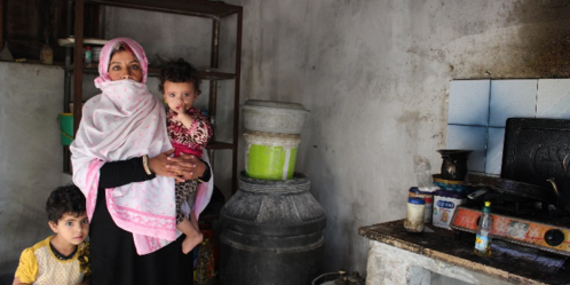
{"points": [[182, 114]]}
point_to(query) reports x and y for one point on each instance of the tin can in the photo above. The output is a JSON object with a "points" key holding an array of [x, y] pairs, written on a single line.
{"points": [[445, 204], [414, 192]]}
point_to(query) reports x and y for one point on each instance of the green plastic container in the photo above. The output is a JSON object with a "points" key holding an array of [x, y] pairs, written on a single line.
{"points": [[66, 127], [270, 156]]}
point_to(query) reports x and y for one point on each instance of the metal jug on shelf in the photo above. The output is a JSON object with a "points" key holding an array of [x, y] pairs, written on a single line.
{"points": [[5, 54], [454, 165]]}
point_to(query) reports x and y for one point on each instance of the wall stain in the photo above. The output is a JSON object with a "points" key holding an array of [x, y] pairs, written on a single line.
{"points": [[545, 32]]}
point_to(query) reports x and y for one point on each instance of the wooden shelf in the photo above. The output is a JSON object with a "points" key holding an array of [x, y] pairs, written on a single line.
{"points": [[215, 145], [199, 8], [34, 61], [70, 42], [92, 68], [208, 75], [212, 10]]}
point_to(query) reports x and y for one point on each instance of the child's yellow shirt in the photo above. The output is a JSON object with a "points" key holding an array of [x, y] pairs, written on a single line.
{"points": [[39, 266]]}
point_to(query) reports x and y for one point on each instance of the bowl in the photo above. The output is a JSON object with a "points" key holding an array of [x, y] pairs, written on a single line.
{"points": [[449, 185], [274, 117]]}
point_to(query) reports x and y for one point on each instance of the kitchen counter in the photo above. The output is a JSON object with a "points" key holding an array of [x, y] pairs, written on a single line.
{"points": [[399, 257]]}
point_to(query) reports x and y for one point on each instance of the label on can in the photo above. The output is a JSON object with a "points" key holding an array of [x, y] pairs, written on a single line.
{"points": [[428, 197], [446, 203]]}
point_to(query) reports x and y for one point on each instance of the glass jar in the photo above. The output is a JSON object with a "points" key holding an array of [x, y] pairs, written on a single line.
{"points": [[415, 222], [46, 54]]}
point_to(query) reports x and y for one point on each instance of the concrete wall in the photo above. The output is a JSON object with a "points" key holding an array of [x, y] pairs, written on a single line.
{"points": [[375, 75], [31, 155]]}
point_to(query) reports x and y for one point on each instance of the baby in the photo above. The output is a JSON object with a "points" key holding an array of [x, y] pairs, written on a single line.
{"points": [[189, 131]]}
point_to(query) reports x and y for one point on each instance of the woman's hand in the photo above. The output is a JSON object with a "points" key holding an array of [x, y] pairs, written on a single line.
{"points": [[186, 167], [159, 164]]}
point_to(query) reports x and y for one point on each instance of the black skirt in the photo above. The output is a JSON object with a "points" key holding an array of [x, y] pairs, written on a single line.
{"points": [[114, 259]]}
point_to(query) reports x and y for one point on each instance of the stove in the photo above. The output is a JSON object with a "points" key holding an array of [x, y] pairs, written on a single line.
{"points": [[534, 151]]}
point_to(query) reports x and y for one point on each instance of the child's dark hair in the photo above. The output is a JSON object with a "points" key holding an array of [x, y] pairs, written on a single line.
{"points": [[65, 200], [179, 71]]}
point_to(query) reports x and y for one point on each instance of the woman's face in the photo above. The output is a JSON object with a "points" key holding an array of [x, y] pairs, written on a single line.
{"points": [[124, 65]]}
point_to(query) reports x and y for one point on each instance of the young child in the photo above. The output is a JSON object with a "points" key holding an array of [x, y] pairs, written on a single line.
{"points": [[63, 257], [189, 131]]}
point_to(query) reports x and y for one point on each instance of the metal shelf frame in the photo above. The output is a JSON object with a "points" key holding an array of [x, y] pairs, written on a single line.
{"points": [[215, 11]]}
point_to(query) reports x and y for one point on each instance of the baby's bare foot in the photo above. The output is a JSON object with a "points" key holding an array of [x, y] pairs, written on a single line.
{"points": [[191, 241]]}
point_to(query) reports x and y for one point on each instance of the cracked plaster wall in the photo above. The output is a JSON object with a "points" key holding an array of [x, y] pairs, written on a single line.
{"points": [[31, 155], [375, 75]]}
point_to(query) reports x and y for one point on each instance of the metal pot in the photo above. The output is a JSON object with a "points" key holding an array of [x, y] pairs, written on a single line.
{"points": [[454, 165]]}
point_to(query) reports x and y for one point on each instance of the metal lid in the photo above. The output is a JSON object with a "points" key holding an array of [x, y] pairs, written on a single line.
{"points": [[487, 207], [450, 194], [275, 104], [417, 190], [416, 201]]}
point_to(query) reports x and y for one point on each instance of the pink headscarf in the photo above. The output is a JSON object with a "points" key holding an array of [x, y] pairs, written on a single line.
{"points": [[123, 122], [105, 58]]}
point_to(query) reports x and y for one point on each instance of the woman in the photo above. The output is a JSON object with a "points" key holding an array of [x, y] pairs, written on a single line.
{"points": [[121, 162]]}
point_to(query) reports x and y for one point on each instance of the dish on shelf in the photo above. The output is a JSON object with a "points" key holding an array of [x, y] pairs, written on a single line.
{"points": [[70, 41]]}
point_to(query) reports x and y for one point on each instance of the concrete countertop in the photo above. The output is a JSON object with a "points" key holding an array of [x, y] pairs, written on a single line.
{"points": [[456, 248]]}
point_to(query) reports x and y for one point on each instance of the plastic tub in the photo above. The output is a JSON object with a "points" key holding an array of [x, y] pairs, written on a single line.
{"points": [[66, 127], [270, 156], [274, 117]]}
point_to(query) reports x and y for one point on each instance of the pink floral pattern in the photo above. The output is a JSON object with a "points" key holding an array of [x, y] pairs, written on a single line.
{"points": [[109, 131], [193, 140]]}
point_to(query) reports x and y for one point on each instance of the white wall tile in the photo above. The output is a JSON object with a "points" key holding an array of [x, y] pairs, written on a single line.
{"points": [[469, 102], [512, 98], [472, 138], [494, 157], [553, 99]]}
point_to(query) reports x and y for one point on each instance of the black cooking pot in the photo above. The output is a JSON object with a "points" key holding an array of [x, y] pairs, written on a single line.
{"points": [[454, 165]]}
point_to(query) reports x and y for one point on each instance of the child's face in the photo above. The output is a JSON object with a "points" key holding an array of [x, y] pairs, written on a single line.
{"points": [[179, 94], [124, 65], [71, 228]]}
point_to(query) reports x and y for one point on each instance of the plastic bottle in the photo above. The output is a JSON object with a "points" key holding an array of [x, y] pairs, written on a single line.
{"points": [[205, 267], [88, 55], [483, 237]]}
